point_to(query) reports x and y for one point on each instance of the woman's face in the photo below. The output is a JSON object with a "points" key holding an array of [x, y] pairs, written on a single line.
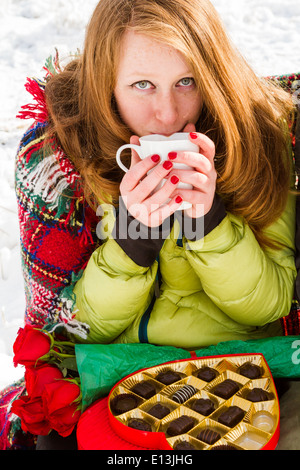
{"points": [[155, 90]]}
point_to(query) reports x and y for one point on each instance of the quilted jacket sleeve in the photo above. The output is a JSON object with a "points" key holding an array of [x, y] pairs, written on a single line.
{"points": [[113, 292], [119, 281], [251, 285]]}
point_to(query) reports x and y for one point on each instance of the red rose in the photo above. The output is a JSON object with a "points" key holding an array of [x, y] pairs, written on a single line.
{"points": [[37, 377], [30, 345], [64, 421], [59, 400], [32, 414]]}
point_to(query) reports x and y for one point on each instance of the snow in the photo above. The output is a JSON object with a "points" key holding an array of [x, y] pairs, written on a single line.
{"points": [[266, 32]]}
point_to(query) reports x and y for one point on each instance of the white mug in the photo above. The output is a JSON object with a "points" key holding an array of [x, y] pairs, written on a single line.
{"points": [[162, 145]]}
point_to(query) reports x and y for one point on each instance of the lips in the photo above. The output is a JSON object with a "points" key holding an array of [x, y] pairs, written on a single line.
{"points": [[166, 134]]}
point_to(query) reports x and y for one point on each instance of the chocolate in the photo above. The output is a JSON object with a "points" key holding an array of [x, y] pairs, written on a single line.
{"points": [[209, 436], [168, 377], [199, 405], [257, 394], [144, 389], [139, 424], [207, 374], [124, 402], [184, 393], [232, 416], [204, 406], [224, 447], [249, 370], [226, 389], [184, 445], [180, 425], [159, 411]]}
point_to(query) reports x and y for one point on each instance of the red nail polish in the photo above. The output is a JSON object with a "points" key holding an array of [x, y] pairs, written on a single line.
{"points": [[155, 158], [193, 135], [167, 165], [174, 179], [178, 199], [172, 155]]}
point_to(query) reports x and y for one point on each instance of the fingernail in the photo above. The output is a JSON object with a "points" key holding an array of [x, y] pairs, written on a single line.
{"points": [[193, 135], [178, 199], [155, 158], [167, 165], [172, 155], [174, 179]]}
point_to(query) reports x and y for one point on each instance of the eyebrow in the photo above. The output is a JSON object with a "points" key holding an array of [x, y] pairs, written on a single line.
{"points": [[134, 74]]}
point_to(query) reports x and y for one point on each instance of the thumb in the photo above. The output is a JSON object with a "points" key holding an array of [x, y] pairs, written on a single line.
{"points": [[189, 127], [134, 155]]}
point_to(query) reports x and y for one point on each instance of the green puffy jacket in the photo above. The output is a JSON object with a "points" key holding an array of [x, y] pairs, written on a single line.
{"points": [[222, 287]]}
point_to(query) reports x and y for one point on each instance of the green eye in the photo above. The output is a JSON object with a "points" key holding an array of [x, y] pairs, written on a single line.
{"points": [[142, 85], [187, 81]]}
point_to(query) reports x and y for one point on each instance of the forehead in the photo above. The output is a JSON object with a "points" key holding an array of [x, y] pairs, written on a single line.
{"points": [[140, 53]]}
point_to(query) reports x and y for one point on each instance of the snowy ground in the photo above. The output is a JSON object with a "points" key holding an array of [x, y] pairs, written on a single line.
{"points": [[267, 32]]}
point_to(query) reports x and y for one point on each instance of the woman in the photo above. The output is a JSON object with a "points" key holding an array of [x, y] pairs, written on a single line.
{"points": [[170, 69], [165, 67], [151, 66]]}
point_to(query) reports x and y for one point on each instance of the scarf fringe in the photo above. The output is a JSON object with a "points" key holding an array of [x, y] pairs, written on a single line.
{"points": [[51, 179], [67, 167], [37, 111], [71, 328], [47, 180], [36, 88], [52, 65]]}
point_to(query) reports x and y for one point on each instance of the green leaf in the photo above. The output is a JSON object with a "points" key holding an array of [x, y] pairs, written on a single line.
{"points": [[69, 363]]}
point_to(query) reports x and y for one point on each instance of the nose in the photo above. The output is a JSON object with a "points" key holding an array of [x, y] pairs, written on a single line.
{"points": [[166, 109]]}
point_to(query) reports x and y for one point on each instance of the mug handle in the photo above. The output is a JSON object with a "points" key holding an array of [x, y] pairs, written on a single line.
{"points": [[137, 148]]}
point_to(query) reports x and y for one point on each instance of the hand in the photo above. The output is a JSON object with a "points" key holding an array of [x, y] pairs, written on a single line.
{"points": [[137, 188], [203, 176]]}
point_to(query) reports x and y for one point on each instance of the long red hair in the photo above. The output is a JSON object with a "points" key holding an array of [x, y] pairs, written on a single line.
{"points": [[244, 115]]}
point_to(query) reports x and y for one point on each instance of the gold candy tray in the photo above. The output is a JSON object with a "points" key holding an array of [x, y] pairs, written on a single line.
{"points": [[239, 414]]}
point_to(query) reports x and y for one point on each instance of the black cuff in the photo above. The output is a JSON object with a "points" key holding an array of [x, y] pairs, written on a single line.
{"points": [[141, 243], [197, 228]]}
